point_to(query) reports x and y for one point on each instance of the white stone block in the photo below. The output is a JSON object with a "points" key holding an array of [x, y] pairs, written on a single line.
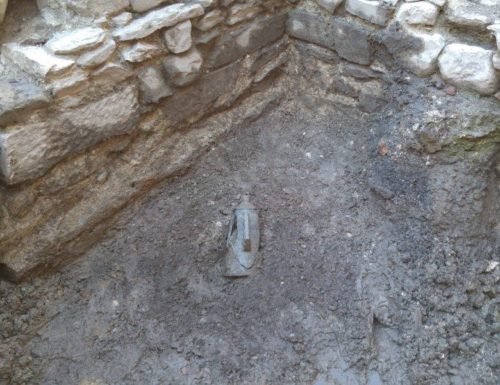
{"points": [[76, 40], [97, 56], [469, 67], [418, 13], [183, 69], [424, 62], [178, 38], [372, 10]]}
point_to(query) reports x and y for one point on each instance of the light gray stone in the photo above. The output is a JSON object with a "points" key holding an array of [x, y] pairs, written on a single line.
{"points": [[145, 5], [71, 83], [157, 19], [470, 14], [178, 38], [18, 96], [29, 150], [241, 12], [374, 11], [140, 52], [210, 20], [152, 85], [183, 69], [36, 60], [76, 40], [468, 67], [97, 56], [329, 5], [423, 62], [111, 74], [122, 19], [237, 43], [418, 13]]}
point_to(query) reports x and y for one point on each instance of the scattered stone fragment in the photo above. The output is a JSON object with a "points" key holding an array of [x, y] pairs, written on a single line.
{"points": [[419, 13], [140, 52], [329, 5], [241, 12], [210, 20], [184, 69], [152, 85], [145, 5], [178, 38], [36, 60], [97, 56], [423, 62], [18, 96], [157, 19], [469, 67], [76, 40]]}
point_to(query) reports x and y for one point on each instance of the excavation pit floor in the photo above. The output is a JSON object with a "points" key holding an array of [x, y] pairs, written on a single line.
{"points": [[334, 299]]}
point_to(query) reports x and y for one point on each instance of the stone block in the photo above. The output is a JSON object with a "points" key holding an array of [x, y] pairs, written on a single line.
{"points": [[235, 44], [351, 41], [418, 13], [140, 52], [374, 11], [241, 12], [145, 5], [469, 67], [311, 27], [183, 69], [76, 40], [178, 38], [28, 150], [329, 5], [158, 19], [423, 62], [19, 96], [35, 60], [97, 56], [210, 20], [468, 14], [152, 85]]}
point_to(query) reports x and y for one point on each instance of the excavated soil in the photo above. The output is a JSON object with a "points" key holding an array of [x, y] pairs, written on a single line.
{"points": [[353, 286]]}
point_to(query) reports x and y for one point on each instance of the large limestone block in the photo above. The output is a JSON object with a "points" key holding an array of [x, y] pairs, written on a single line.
{"points": [[183, 69], [76, 40], [311, 27], [158, 19], [35, 60], [469, 67], [236, 44], [3, 8], [423, 62], [29, 150]]}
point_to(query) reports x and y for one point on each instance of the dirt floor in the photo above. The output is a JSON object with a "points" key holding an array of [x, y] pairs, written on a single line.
{"points": [[340, 297]]}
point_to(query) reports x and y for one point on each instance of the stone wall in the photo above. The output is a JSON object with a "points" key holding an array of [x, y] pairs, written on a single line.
{"points": [[105, 107], [99, 113]]}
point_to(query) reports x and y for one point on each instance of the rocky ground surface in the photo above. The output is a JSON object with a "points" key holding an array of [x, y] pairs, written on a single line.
{"points": [[357, 282]]}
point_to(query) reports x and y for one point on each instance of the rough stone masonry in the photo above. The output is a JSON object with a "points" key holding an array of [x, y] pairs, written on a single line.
{"points": [[97, 108]]}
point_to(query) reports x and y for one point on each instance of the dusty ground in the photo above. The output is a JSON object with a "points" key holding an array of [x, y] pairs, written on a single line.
{"points": [[343, 293]]}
